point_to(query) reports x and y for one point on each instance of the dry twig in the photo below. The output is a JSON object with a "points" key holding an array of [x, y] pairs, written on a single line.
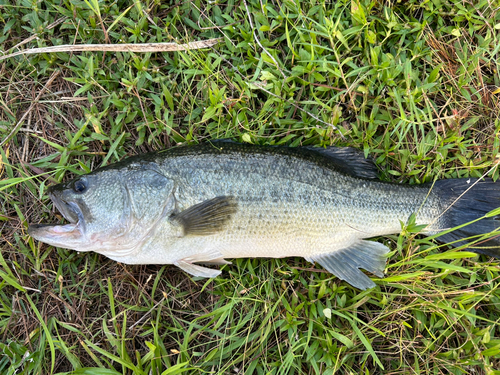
{"points": [[129, 47]]}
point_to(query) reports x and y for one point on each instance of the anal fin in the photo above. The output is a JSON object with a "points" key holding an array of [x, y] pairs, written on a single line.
{"points": [[345, 263], [208, 257]]}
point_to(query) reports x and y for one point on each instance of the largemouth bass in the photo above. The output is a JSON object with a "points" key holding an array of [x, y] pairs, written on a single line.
{"points": [[223, 200]]}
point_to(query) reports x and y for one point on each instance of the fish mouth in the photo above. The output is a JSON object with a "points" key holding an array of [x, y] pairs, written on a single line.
{"points": [[69, 210], [68, 235]]}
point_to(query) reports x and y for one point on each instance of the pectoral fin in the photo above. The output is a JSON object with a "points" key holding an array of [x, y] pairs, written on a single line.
{"points": [[209, 257], [345, 263], [207, 217]]}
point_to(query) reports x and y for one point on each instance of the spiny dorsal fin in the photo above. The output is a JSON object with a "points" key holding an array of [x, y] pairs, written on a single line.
{"points": [[345, 263], [348, 160], [207, 217]]}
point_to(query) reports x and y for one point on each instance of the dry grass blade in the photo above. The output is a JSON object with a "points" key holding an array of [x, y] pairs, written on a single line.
{"points": [[128, 47], [21, 121], [33, 37]]}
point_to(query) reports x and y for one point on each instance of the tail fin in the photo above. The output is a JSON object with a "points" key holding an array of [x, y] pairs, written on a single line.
{"points": [[473, 204]]}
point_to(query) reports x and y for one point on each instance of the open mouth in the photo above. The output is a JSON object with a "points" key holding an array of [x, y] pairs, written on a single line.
{"points": [[68, 235]]}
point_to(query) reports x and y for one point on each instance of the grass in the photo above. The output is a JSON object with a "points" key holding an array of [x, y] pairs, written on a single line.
{"points": [[414, 84]]}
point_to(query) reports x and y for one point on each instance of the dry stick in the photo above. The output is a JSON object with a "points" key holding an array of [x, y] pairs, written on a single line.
{"points": [[18, 125], [141, 47]]}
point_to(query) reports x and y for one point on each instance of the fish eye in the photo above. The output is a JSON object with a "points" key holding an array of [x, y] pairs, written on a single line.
{"points": [[79, 186]]}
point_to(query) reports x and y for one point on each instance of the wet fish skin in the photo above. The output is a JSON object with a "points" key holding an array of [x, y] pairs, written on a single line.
{"points": [[206, 203]]}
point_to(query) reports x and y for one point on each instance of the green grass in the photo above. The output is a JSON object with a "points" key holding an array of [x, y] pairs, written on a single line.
{"points": [[414, 84]]}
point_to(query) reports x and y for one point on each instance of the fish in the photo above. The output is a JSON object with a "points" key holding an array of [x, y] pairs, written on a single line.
{"points": [[193, 206]]}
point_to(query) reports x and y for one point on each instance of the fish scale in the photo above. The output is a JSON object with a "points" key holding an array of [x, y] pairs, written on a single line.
{"points": [[223, 200]]}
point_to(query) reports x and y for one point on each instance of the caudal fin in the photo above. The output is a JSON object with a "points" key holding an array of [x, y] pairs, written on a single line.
{"points": [[467, 205]]}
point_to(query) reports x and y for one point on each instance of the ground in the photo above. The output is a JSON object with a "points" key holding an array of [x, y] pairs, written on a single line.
{"points": [[414, 84]]}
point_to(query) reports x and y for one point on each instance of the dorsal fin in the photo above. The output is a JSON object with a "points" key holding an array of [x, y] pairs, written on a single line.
{"points": [[348, 160]]}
